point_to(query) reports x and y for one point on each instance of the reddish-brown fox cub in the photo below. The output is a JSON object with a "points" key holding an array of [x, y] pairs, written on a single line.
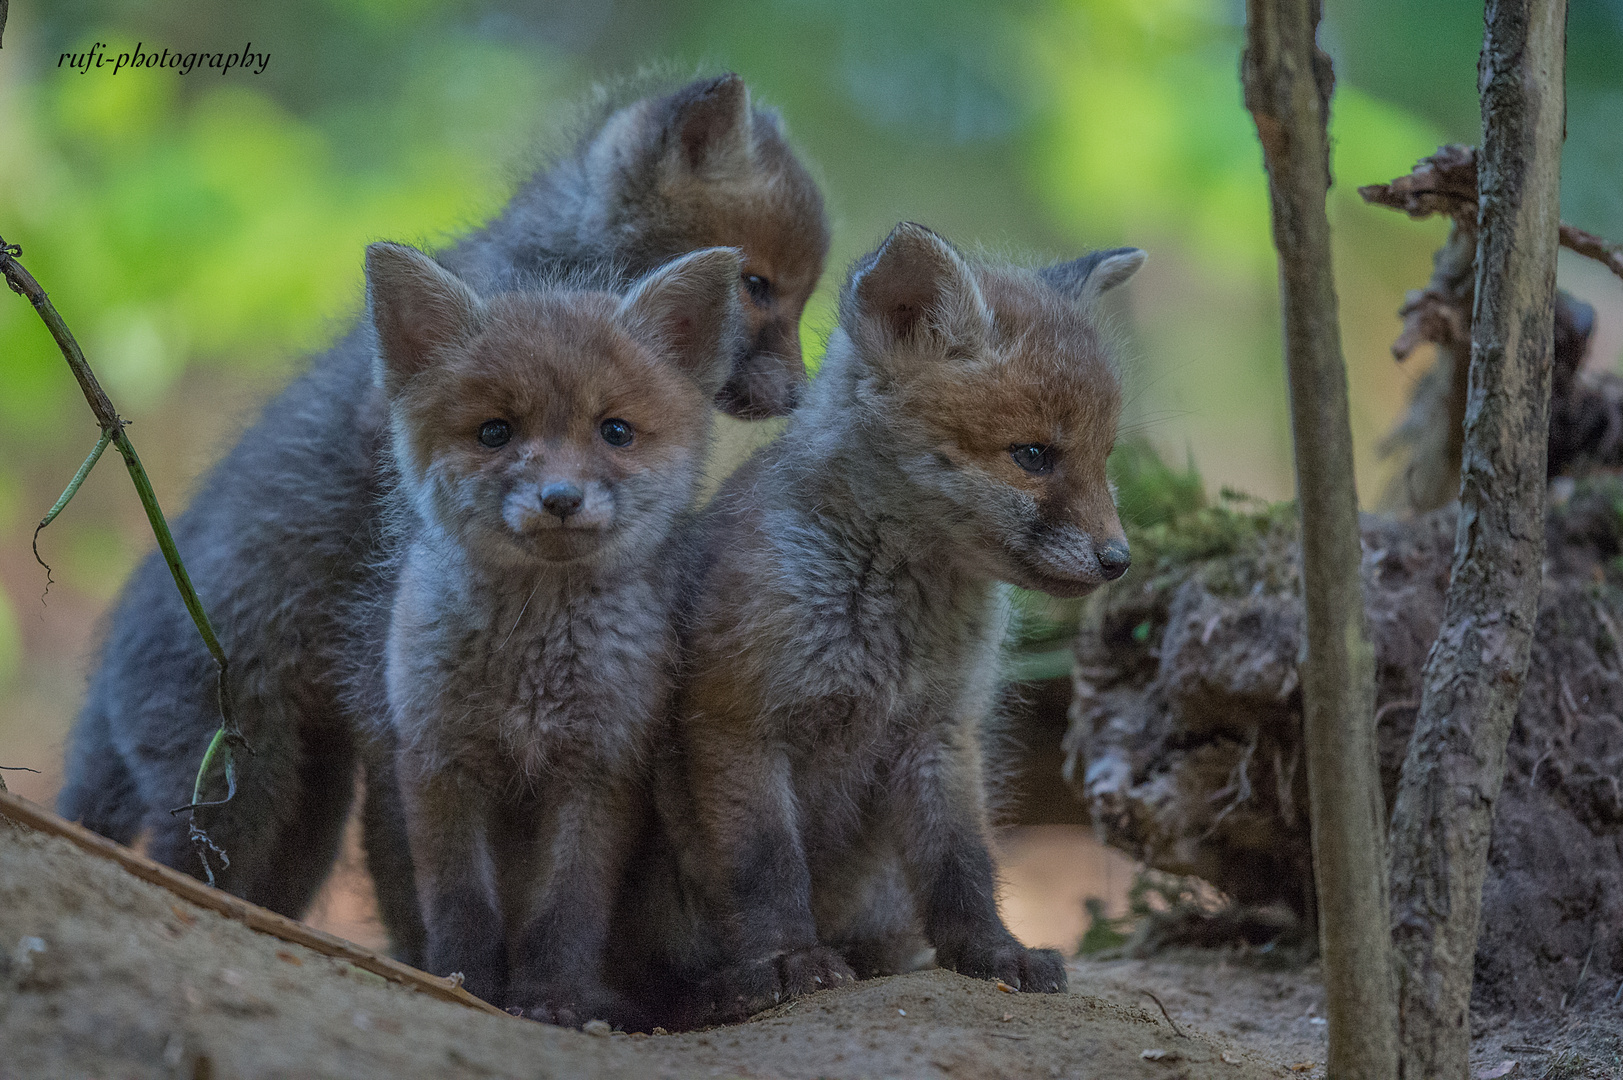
{"points": [[826, 796], [546, 446]]}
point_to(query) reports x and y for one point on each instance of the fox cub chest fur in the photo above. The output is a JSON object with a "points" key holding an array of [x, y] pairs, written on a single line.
{"points": [[547, 446], [828, 795]]}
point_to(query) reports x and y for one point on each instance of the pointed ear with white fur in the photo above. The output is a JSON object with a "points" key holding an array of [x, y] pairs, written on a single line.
{"points": [[710, 128], [916, 284], [690, 308], [1086, 279], [419, 309]]}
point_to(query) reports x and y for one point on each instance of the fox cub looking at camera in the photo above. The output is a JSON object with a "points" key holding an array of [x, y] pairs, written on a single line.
{"points": [[826, 796], [547, 445]]}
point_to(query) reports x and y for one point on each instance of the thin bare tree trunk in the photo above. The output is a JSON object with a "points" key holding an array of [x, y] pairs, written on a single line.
{"points": [[1287, 88], [1474, 675]]}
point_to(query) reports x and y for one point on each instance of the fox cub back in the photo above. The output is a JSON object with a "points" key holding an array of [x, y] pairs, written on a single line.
{"points": [[547, 445], [826, 794]]}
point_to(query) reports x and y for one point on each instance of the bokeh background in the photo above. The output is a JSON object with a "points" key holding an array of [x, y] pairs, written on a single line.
{"points": [[201, 233]]}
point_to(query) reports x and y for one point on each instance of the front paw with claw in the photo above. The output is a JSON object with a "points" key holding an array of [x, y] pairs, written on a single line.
{"points": [[747, 988], [1036, 971], [569, 1008]]}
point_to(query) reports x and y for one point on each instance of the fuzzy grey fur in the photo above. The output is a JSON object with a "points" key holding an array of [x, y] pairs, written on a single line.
{"points": [[282, 535]]}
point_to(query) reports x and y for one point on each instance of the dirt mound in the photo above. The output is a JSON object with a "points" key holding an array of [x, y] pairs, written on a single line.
{"points": [[105, 975], [1185, 740]]}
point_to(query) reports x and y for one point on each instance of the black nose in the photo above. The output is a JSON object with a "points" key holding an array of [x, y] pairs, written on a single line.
{"points": [[1114, 559], [562, 499]]}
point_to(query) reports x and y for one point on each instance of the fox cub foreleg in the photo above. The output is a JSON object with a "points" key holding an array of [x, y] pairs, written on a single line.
{"points": [[939, 811], [561, 926], [761, 887], [447, 819]]}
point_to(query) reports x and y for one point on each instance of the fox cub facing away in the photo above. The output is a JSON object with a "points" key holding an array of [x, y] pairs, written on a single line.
{"points": [[280, 535], [547, 445], [827, 796]]}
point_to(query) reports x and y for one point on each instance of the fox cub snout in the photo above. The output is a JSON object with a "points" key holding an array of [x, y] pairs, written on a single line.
{"points": [[547, 444]]}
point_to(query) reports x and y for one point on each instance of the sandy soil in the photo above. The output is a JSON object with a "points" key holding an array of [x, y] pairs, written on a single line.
{"points": [[103, 975]]}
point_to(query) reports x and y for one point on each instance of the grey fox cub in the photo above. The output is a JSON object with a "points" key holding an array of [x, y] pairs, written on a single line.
{"points": [[547, 445], [281, 534], [826, 794]]}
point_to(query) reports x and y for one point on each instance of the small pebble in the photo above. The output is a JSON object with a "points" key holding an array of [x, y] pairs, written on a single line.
{"points": [[1499, 1071], [597, 1027]]}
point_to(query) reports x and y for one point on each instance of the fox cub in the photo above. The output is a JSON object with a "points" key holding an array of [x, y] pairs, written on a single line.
{"points": [[281, 535], [547, 445], [826, 794]]}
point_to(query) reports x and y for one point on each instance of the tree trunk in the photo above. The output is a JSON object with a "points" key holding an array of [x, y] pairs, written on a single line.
{"points": [[1474, 674], [1287, 88]]}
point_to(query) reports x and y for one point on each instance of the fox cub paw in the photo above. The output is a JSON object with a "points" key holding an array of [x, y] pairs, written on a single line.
{"points": [[1037, 971], [569, 1009], [745, 989]]}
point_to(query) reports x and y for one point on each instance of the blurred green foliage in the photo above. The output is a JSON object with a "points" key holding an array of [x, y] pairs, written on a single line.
{"points": [[212, 226]]}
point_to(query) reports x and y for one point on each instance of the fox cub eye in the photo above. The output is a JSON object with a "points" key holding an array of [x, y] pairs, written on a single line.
{"points": [[615, 432], [494, 433], [760, 289], [1033, 457]]}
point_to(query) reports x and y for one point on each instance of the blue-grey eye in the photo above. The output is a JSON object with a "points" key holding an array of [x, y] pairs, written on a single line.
{"points": [[759, 288], [494, 433], [615, 432], [1033, 457]]}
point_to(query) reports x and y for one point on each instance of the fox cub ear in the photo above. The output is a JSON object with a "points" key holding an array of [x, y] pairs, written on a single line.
{"points": [[709, 128], [916, 283], [690, 307], [1094, 274], [419, 308]]}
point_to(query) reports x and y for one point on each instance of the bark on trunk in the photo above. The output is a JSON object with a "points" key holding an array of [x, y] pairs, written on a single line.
{"points": [[1287, 88], [1475, 672]]}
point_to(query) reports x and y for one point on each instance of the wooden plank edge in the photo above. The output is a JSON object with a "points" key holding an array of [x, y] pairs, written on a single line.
{"points": [[20, 810]]}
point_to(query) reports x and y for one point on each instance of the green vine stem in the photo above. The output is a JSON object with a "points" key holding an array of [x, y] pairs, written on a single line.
{"points": [[229, 736]]}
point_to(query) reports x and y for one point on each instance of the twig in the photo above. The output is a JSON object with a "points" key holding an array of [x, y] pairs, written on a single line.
{"points": [[1573, 993], [20, 810], [1605, 252], [229, 736], [1164, 1012]]}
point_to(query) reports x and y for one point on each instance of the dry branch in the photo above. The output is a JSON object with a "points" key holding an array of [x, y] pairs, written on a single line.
{"points": [[1446, 183], [1287, 82], [1605, 252], [20, 810], [1474, 674]]}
